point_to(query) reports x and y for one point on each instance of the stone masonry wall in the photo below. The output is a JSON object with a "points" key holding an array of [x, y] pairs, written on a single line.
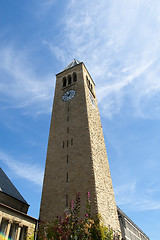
{"points": [[79, 166], [85, 161], [104, 190], [19, 218]]}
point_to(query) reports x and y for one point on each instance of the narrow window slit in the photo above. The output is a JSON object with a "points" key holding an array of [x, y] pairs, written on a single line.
{"points": [[67, 178], [66, 200], [67, 158], [72, 141]]}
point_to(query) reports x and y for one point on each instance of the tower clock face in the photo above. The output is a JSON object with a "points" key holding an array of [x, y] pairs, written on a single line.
{"points": [[68, 95]]}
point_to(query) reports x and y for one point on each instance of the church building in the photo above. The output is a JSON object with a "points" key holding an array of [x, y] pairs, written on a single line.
{"points": [[14, 221]]}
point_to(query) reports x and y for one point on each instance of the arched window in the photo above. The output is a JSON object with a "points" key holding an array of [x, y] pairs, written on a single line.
{"points": [[74, 77], [69, 80], [64, 81]]}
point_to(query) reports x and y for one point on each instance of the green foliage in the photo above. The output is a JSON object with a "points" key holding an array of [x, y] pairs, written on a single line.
{"points": [[73, 227], [30, 237]]}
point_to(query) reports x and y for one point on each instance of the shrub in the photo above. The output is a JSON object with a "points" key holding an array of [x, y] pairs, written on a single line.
{"points": [[73, 227]]}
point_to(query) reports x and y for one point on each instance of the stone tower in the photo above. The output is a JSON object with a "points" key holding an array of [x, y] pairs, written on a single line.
{"points": [[76, 156]]}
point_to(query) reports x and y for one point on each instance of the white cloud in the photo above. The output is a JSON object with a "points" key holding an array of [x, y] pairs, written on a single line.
{"points": [[119, 42], [24, 170], [130, 197], [43, 7], [124, 193], [20, 86], [59, 52]]}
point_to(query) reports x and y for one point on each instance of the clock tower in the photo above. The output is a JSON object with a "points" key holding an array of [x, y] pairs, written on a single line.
{"points": [[76, 155]]}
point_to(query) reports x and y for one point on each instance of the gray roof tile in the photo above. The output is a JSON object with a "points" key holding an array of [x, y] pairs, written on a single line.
{"points": [[6, 186], [72, 64]]}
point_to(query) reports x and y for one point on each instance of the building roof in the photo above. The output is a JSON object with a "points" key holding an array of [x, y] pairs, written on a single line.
{"points": [[17, 211], [7, 187], [72, 64], [125, 216]]}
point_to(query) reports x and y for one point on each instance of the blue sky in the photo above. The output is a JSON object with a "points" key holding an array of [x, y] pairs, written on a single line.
{"points": [[119, 42]]}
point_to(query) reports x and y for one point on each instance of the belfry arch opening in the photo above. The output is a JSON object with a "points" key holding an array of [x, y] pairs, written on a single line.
{"points": [[64, 82], [69, 80], [74, 77]]}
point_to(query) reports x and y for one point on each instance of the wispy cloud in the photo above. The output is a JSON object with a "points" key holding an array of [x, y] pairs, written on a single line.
{"points": [[119, 42], [130, 197], [56, 50], [20, 86], [30, 172], [44, 6]]}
